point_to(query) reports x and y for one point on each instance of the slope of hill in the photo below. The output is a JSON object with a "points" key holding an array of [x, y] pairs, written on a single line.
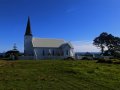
{"points": [[58, 75]]}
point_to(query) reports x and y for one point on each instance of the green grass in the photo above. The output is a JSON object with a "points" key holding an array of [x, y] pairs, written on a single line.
{"points": [[58, 75]]}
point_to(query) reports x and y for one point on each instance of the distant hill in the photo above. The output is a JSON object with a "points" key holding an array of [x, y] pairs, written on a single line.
{"points": [[82, 53]]}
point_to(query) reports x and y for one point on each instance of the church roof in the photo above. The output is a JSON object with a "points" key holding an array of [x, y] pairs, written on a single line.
{"points": [[44, 42], [67, 43], [28, 28]]}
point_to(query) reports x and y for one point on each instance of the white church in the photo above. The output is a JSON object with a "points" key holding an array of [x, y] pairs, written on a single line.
{"points": [[45, 48]]}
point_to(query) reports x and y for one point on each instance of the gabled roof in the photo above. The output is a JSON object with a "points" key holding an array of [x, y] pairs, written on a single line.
{"points": [[46, 42], [67, 43], [28, 28]]}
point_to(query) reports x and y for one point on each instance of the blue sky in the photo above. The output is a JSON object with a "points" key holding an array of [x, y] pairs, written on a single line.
{"points": [[79, 21]]}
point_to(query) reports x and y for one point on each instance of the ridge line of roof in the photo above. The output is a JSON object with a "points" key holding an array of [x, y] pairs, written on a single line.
{"points": [[48, 38]]}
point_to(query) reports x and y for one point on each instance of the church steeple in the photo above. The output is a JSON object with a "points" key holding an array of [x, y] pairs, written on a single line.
{"points": [[28, 28]]}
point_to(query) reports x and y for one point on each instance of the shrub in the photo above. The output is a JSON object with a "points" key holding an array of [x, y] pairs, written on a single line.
{"points": [[104, 61], [69, 58], [116, 62], [85, 58]]}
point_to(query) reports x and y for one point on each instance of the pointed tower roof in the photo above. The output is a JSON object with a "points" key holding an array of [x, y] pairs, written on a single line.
{"points": [[28, 28]]}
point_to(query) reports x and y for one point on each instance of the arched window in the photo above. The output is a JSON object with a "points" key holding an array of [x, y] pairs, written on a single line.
{"points": [[67, 52], [53, 53], [43, 53]]}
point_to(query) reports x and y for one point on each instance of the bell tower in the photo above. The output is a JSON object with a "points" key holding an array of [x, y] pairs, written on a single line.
{"points": [[28, 48]]}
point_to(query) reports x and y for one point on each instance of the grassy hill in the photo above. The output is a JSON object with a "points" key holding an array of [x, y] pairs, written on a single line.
{"points": [[58, 75]]}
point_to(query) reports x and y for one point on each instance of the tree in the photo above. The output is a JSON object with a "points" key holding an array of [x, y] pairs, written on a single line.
{"points": [[108, 41], [117, 43], [100, 41]]}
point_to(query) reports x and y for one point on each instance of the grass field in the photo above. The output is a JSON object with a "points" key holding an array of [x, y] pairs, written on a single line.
{"points": [[58, 75]]}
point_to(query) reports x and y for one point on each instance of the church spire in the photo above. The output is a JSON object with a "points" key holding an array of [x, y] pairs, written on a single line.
{"points": [[28, 28]]}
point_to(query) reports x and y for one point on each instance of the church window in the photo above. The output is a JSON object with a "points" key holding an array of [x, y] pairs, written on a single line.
{"points": [[53, 52], [67, 52], [43, 53]]}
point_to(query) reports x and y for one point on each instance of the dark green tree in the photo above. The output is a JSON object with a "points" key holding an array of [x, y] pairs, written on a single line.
{"points": [[100, 41], [108, 41]]}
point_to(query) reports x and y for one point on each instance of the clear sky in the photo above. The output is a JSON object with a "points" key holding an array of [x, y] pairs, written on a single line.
{"points": [[79, 21]]}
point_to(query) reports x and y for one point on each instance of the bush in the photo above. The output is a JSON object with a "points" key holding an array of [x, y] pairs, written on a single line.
{"points": [[85, 58], [104, 61], [117, 55], [69, 58], [116, 62]]}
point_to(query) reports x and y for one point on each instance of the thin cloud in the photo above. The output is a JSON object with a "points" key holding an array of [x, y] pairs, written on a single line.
{"points": [[84, 46]]}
